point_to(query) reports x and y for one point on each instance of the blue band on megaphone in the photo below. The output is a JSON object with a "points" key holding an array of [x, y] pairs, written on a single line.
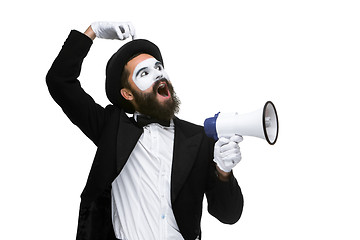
{"points": [[210, 127]]}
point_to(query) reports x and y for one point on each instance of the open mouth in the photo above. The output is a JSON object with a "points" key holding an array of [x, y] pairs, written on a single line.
{"points": [[163, 90]]}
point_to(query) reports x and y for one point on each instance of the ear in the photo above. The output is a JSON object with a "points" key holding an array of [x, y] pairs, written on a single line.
{"points": [[127, 94]]}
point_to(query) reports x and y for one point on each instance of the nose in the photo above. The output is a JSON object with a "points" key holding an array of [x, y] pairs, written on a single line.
{"points": [[159, 75]]}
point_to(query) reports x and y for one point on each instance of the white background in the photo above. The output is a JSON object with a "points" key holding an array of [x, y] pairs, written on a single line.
{"points": [[221, 56]]}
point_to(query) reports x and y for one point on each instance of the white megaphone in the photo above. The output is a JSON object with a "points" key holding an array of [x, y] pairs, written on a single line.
{"points": [[262, 123]]}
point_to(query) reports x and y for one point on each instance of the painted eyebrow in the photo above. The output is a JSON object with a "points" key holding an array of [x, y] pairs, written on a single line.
{"points": [[158, 63]]}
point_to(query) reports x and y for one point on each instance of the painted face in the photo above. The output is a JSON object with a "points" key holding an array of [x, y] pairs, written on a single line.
{"points": [[147, 72]]}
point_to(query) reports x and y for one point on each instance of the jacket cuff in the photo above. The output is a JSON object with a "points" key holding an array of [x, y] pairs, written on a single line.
{"points": [[231, 184]]}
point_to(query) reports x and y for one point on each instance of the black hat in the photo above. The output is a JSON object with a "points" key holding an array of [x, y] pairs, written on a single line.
{"points": [[115, 67]]}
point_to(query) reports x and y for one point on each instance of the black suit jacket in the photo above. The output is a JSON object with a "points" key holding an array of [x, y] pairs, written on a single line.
{"points": [[115, 135]]}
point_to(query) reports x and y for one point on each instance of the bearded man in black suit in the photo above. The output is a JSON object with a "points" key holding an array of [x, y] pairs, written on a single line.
{"points": [[151, 170]]}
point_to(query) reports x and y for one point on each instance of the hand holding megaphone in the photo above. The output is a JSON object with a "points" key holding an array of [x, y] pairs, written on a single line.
{"points": [[227, 152]]}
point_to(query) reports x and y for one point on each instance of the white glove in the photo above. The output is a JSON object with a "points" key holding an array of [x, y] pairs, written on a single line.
{"points": [[227, 152], [113, 30]]}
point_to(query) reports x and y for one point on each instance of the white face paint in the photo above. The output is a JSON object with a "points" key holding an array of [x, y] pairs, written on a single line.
{"points": [[147, 72]]}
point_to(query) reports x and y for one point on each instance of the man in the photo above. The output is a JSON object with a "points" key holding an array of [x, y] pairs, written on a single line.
{"points": [[151, 170]]}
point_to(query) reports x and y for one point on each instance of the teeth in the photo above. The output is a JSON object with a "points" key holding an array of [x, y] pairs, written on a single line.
{"points": [[162, 89]]}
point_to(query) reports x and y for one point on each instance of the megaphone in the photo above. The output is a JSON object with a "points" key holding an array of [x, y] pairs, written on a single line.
{"points": [[262, 123]]}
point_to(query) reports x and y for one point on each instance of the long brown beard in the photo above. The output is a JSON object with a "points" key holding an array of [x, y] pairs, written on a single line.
{"points": [[148, 104]]}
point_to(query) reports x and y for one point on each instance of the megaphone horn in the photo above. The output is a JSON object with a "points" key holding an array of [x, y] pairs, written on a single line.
{"points": [[262, 123]]}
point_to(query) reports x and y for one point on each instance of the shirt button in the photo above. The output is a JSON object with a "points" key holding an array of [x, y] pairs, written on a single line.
{"points": [[163, 216]]}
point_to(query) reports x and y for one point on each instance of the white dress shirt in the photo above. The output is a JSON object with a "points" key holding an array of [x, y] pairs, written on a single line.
{"points": [[141, 203]]}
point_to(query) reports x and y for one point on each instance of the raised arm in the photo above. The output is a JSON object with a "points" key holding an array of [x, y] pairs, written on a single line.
{"points": [[62, 78], [64, 86]]}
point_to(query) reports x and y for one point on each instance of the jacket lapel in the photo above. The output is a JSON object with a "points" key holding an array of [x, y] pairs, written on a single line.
{"points": [[186, 145], [128, 135]]}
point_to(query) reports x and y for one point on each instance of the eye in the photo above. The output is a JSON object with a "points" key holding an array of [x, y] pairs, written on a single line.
{"points": [[159, 67], [143, 74]]}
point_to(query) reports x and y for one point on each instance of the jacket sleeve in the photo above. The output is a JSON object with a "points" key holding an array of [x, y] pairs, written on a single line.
{"points": [[225, 199], [64, 86]]}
